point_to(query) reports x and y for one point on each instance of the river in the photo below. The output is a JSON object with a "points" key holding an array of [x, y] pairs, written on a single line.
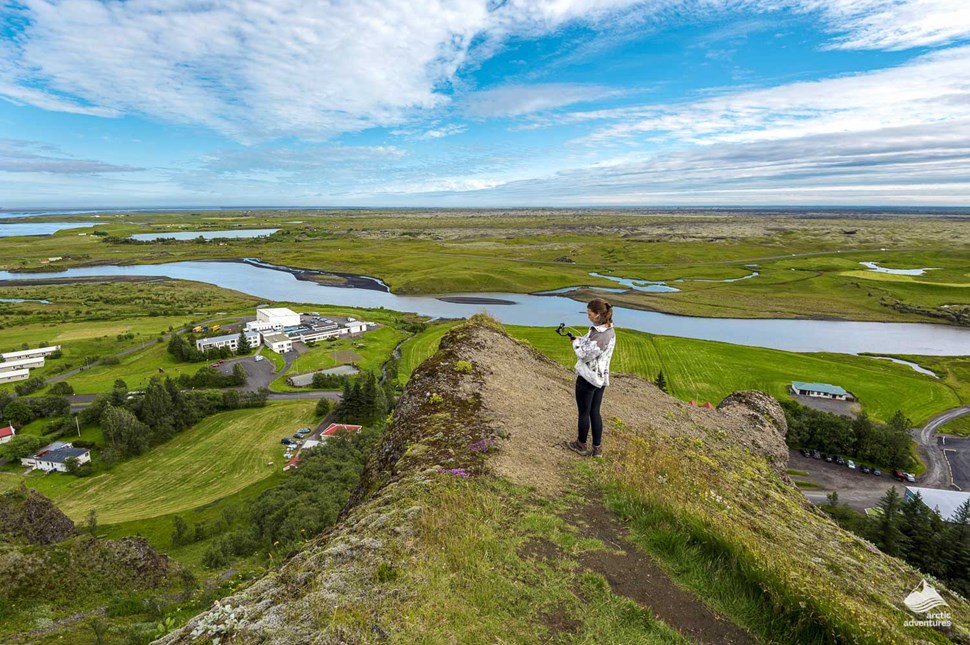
{"points": [[845, 337]]}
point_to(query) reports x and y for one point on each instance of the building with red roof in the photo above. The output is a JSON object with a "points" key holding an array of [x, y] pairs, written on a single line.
{"points": [[334, 428], [6, 434]]}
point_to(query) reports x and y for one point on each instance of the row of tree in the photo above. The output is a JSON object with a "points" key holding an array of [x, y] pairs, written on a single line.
{"points": [[911, 530], [19, 411], [184, 350], [887, 445], [365, 401], [303, 506], [132, 423]]}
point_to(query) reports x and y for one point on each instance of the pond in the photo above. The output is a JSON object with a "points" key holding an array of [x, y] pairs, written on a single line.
{"points": [[277, 285], [873, 266], [39, 228], [208, 235]]}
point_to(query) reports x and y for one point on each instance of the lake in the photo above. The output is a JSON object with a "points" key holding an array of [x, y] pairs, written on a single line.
{"points": [[208, 235], [39, 228], [845, 337]]}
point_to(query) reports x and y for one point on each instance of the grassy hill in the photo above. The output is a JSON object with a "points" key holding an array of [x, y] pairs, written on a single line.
{"points": [[709, 370], [219, 456], [471, 524]]}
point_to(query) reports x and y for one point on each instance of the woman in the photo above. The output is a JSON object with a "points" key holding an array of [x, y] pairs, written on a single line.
{"points": [[594, 351]]}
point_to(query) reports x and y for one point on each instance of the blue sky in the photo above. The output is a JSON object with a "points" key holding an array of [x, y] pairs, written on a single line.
{"points": [[484, 103]]}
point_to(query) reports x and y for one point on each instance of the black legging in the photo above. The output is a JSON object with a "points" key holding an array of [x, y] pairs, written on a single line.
{"points": [[588, 399]]}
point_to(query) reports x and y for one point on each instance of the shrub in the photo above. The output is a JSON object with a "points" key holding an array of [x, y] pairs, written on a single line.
{"points": [[463, 367]]}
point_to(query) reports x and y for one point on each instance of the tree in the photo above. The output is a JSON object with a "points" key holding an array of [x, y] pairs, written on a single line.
{"points": [[21, 445], [886, 532], [181, 534], [660, 381], [92, 525], [324, 406], [18, 413], [922, 528], [244, 347], [124, 431], [61, 388], [156, 411], [119, 392], [238, 375]]}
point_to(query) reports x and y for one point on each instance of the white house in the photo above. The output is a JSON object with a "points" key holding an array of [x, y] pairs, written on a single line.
{"points": [[30, 353], [279, 318], [229, 340], [22, 364], [55, 455], [6, 434], [279, 343], [821, 390], [15, 375]]}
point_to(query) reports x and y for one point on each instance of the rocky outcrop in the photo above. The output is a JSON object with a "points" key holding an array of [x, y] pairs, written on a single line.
{"points": [[27, 514]]}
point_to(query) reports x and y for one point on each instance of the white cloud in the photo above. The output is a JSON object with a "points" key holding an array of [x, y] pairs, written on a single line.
{"points": [[516, 100], [31, 157], [257, 69], [931, 89]]}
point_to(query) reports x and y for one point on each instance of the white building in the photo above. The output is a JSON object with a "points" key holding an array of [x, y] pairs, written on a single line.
{"points": [[944, 502], [22, 364], [279, 343], [6, 434], [229, 340], [54, 457], [15, 375], [260, 325], [821, 390], [279, 318], [30, 353]]}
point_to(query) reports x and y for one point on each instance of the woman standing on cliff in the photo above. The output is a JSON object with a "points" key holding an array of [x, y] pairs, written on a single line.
{"points": [[593, 351]]}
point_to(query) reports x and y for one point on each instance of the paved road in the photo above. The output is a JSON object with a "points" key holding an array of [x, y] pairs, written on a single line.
{"points": [[947, 458]]}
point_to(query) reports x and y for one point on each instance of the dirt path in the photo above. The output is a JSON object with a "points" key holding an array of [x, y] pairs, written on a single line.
{"points": [[536, 412]]}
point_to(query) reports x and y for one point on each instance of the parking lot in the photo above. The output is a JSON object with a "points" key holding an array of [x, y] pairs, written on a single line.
{"points": [[855, 488]]}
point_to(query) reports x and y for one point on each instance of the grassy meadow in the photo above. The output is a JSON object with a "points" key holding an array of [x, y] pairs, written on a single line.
{"points": [[809, 266], [219, 456], [708, 370]]}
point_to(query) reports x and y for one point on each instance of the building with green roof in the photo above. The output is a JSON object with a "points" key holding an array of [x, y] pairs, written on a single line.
{"points": [[823, 390]]}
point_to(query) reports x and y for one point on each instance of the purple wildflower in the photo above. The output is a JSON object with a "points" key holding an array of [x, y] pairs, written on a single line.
{"points": [[481, 446], [458, 472]]}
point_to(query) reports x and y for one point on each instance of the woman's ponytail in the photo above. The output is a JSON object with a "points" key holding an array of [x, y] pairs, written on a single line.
{"points": [[602, 309]]}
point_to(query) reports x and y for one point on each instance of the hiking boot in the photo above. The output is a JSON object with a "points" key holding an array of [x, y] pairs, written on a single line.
{"points": [[576, 446], [597, 451]]}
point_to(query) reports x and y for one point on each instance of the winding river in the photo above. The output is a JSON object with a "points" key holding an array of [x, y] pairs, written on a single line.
{"points": [[277, 285]]}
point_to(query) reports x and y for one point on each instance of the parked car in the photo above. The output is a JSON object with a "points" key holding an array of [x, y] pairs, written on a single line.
{"points": [[216, 364], [877, 472], [828, 458], [816, 455], [864, 469], [839, 460], [900, 475], [850, 464], [259, 357], [910, 477], [287, 441], [806, 452]]}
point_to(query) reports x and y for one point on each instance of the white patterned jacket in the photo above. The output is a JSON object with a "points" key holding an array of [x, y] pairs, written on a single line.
{"points": [[594, 351]]}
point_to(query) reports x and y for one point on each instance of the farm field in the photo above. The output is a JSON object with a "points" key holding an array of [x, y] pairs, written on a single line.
{"points": [[219, 456], [709, 371]]}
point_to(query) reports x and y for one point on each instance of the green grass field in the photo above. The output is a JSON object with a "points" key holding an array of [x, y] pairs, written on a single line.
{"points": [[959, 426], [419, 348], [709, 371], [808, 267], [218, 457]]}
